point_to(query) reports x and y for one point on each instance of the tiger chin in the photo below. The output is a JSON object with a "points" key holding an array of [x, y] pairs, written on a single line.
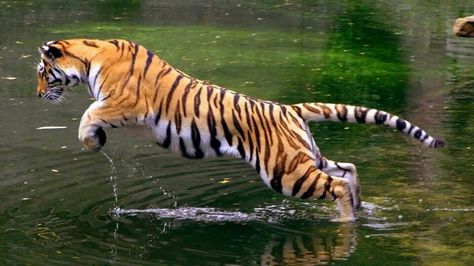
{"points": [[134, 87]]}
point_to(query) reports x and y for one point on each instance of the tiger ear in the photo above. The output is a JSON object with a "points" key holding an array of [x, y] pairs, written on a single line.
{"points": [[50, 52]]}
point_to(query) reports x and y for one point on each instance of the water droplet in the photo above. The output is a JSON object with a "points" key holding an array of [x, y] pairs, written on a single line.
{"points": [[225, 180]]}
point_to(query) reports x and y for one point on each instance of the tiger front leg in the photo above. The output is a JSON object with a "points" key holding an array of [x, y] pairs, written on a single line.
{"points": [[91, 129]]}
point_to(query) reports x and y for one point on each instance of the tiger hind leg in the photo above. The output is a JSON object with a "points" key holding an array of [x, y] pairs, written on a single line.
{"points": [[343, 170], [316, 184], [340, 189]]}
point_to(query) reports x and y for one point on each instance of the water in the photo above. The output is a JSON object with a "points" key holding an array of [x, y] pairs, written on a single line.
{"points": [[138, 204]]}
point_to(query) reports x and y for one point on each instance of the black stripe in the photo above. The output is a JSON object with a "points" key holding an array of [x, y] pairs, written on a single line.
{"points": [[272, 117], [401, 124], [196, 138], [177, 120], [380, 117], [418, 134], [185, 96], [106, 97], [75, 57], [89, 89], [146, 109], [297, 185], [122, 49], [88, 68], [341, 114], [132, 66], [248, 117], [268, 128], [171, 92], [166, 143], [115, 42], [327, 186], [236, 104], [197, 102], [227, 134], [211, 123], [307, 106], [257, 133], [283, 109], [51, 72], [240, 148], [90, 43], [264, 129], [324, 192], [137, 96], [158, 115], [161, 74], [275, 183], [134, 57], [309, 193], [149, 59], [257, 162], [209, 93], [182, 146], [102, 85], [425, 137], [237, 125], [250, 143], [360, 114]]}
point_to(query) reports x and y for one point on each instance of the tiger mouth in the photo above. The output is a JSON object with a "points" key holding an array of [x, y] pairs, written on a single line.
{"points": [[54, 94]]}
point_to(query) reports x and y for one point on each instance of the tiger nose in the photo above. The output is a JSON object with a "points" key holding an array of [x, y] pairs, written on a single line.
{"points": [[40, 94]]}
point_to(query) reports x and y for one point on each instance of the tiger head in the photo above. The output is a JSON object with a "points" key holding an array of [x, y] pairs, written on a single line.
{"points": [[56, 72]]}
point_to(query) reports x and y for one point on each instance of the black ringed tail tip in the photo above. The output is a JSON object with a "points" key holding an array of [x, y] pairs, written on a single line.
{"points": [[438, 143]]}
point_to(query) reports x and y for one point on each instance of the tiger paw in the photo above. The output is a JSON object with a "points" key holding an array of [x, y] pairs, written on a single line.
{"points": [[94, 142]]}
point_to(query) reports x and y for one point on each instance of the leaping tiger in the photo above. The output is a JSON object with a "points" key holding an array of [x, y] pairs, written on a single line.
{"points": [[133, 87]]}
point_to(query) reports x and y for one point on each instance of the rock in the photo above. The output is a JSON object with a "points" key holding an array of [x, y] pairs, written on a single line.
{"points": [[464, 27]]}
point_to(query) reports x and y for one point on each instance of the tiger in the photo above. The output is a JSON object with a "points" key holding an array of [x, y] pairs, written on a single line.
{"points": [[133, 87]]}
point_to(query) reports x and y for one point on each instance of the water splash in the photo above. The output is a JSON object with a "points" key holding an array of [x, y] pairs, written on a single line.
{"points": [[190, 213], [274, 213], [113, 176], [452, 209]]}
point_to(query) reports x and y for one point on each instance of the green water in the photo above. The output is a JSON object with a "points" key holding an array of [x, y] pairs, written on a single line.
{"points": [[138, 204]]}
